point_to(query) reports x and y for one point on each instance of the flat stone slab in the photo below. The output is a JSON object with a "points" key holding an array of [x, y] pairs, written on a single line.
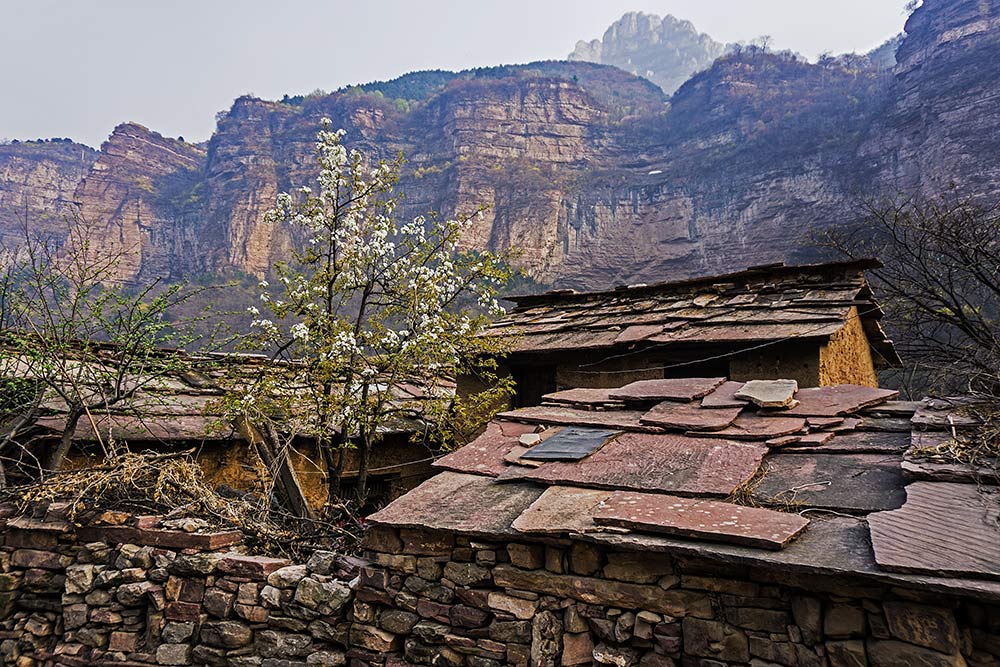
{"points": [[689, 417], [769, 393], [724, 396], [842, 399], [626, 420], [945, 414], [669, 389], [570, 444], [816, 439], [859, 442], [485, 455], [750, 426], [458, 502], [710, 520], [899, 408], [667, 463], [583, 396], [943, 528], [856, 483], [562, 509]]}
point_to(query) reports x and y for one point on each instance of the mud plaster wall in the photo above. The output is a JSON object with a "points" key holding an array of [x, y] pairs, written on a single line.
{"points": [[847, 357], [793, 361]]}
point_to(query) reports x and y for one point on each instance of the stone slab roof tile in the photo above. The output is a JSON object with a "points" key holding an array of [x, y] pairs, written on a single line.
{"points": [[462, 503], [756, 426], [671, 389], [941, 528], [710, 520], [838, 400], [855, 483], [668, 463], [766, 303], [689, 416], [485, 455], [724, 396], [628, 420]]}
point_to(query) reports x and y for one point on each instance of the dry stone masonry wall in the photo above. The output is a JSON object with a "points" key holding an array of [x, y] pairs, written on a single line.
{"points": [[135, 594], [454, 601], [138, 596]]}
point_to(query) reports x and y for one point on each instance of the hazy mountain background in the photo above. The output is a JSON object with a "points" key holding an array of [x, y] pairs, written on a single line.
{"points": [[597, 175]]}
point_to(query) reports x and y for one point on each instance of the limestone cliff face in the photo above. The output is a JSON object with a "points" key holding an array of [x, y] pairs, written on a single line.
{"points": [[941, 127], [592, 173], [37, 181], [667, 51], [137, 203]]}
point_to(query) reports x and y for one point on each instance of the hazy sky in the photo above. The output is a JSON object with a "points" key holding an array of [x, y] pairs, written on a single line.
{"points": [[76, 68]]}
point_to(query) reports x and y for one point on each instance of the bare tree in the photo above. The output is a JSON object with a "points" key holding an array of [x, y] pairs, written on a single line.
{"points": [[941, 282], [77, 341]]}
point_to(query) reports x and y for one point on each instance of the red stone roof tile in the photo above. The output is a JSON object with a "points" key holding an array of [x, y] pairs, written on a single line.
{"points": [[702, 519], [828, 465]]}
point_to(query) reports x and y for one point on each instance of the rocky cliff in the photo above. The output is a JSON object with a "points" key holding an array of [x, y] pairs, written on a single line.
{"points": [[667, 50], [37, 181], [593, 173]]}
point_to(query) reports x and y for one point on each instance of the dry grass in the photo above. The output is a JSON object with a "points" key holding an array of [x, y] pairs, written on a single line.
{"points": [[978, 447], [174, 484]]}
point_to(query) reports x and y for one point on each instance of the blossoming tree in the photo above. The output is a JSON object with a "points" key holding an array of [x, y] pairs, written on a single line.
{"points": [[364, 305]]}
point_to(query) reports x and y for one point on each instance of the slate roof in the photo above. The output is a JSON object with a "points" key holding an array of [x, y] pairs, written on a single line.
{"points": [[183, 405], [772, 303], [795, 487]]}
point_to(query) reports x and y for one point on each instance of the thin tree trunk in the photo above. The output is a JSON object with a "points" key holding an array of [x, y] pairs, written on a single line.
{"points": [[61, 451], [335, 469], [363, 454]]}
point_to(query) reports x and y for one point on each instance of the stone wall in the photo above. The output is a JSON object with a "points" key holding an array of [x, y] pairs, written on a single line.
{"points": [[136, 592], [449, 600]]}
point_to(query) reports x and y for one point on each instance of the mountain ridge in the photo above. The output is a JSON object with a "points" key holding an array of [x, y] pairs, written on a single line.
{"points": [[593, 173]]}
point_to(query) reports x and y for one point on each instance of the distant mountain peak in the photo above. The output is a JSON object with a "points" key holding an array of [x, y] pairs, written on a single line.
{"points": [[666, 50]]}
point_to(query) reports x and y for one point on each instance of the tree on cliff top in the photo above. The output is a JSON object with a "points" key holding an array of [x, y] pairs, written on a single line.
{"points": [[365, 305]]}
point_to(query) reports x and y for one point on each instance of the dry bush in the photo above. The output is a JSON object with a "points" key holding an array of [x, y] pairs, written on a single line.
{"points": [[174, 485]]}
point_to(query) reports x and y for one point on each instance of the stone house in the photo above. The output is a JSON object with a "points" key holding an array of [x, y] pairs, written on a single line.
{"points": [[182, 410], [669, 523], [673, 522], [817, 324]]}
